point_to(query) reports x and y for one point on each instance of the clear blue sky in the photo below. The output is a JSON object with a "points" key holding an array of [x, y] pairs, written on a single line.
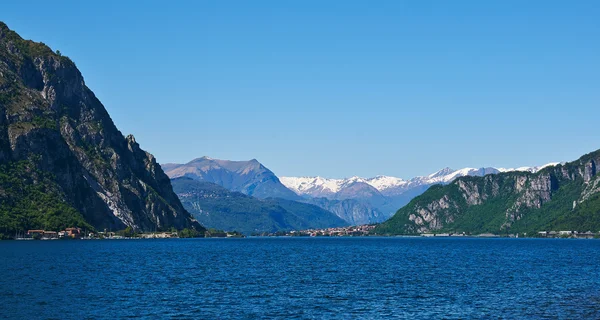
{"points": [[338, 88]]}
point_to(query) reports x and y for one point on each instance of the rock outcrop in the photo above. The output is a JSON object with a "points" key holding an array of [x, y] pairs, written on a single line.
{"points": [[60, 147]]}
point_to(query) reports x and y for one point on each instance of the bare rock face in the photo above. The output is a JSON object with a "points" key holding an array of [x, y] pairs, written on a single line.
{"points": [[51, 122], [497, 203], [470, 192], [426, 218], [589, 171]]}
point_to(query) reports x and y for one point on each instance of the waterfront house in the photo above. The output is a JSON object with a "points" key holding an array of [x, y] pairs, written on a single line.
{"points": [[35, 233], [50, 235], [74, 233], [585, 235]]}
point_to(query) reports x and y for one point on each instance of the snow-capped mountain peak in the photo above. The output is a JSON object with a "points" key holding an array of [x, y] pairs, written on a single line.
{"points": [[444, 172], [530, 169], [385, 194], [307, 185], [385, 182], [319, 186]]}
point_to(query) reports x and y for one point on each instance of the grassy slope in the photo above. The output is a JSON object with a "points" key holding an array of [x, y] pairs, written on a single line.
{"points": [[31, 200]]}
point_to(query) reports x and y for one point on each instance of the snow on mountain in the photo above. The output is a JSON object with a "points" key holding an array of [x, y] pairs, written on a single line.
{"points": [[448, 175], [323, 187], [384, 194], [308, 185], [385, 182], [530, 169], [319, 186]]}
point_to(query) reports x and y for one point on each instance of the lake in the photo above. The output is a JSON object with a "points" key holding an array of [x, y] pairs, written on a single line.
{"points": [[301, 278]]}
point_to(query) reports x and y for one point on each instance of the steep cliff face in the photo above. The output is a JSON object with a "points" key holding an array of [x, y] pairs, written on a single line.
{"points": [[558, 197], [62, 160]]}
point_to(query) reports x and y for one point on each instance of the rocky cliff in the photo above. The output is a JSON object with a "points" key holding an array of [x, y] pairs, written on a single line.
{"points": [[565, 197], [62, 160]]}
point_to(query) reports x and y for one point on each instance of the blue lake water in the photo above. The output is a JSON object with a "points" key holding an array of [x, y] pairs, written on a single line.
{"points": [[303, 278]]}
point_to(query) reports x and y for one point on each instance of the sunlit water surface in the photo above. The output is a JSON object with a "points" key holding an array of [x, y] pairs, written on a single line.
{"points": [[303, 278]]}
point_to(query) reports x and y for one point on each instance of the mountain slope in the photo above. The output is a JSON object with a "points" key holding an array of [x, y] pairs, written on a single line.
{"points": [[560, 197], [383, 194], [248, 177], [354, 212], [314, 217], [62, 160], [217, 207], [388, 186]]}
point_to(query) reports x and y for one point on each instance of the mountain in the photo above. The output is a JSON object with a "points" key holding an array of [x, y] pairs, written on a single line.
{"points": [[248, 177], [383, 193], [314, 217], [555, 197], [63, 163], [530, 169], [354, 212], [254, 179], [216, 207], [356, 200]]}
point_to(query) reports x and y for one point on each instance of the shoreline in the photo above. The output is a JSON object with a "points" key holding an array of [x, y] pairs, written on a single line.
{"points": [[314, 237]]}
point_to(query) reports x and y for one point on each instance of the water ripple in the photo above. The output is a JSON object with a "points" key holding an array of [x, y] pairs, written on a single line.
{"points": [[367, 278]]}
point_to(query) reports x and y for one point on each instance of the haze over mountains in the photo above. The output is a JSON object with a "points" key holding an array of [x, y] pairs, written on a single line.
{"points": [[219, 208], [356, 200], [248, 177], [244, 196], [384, 193]]}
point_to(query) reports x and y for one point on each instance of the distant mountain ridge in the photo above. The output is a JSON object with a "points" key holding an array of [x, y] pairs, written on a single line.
{"points": [[216, 207], [356, 200], [248, 177], [382, 195], [323, 187], [354, 212], [254, 195]]}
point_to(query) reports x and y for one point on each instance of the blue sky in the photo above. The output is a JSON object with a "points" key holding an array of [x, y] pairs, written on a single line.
{"points": [[338, 88]]}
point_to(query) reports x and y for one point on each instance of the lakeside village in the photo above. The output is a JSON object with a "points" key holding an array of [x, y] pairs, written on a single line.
{"points": [[78, 233], [366, 230], [351, 231], [540, 234], [128, 233]]}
